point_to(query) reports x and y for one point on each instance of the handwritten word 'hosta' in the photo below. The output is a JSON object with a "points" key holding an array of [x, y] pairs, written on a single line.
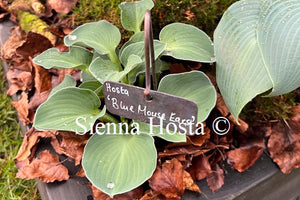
{"points": [[117, 89]]}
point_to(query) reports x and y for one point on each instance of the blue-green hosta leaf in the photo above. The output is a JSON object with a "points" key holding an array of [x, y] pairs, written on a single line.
{"points": [[95, 86], [187, 42], [92, 85], [138, 49], [101, 36], [119, 163], [69, 109], [194, 85], [77, 57], [132, 14], [106, 70], [161, 66], [257, 47], [140, 69], [138, 37], [68, 81], [87, 76]]}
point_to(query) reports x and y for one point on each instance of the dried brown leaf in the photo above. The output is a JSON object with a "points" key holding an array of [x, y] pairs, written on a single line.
{"points": [[70, 144], [35, 101], [189, 183], [80, 172], [8, 49], [199, 140], [62, 6], [215, 179], [151, 195], [251, 146], [13, 89], [184, 67], [284, 143], [29, 146], [34, 44], [185, 150], [200, 168], [22, 108], [221, 106], [21, 80], [168, 179], [42, 79], [243, 158], [23, 65], [47, 168]]}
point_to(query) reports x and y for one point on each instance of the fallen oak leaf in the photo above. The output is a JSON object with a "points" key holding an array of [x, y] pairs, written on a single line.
{"points": [[168, 179], [47, 168], [215, 179]]}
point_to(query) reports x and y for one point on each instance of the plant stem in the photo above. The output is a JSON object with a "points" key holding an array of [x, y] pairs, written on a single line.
{"points": [[114, 58], [137, 30], [108, 118]]}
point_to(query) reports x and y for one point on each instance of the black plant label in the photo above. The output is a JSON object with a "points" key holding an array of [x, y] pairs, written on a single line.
{"points": [[157, 108]]}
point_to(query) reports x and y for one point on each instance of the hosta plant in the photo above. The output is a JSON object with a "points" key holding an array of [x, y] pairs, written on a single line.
{"points": [[256, 49], [118, 163]]}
